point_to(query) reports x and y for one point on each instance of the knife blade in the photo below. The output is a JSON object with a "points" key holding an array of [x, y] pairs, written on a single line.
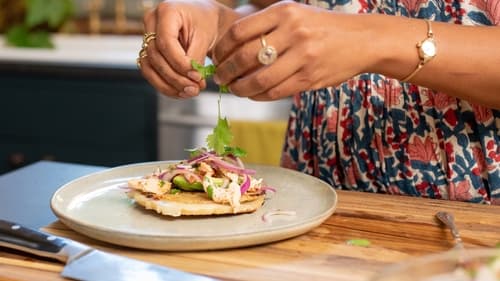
{"points": [[83, 262]]}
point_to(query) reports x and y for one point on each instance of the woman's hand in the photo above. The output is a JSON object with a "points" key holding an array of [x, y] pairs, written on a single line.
{"points": [[316, 48], [185, 30]]}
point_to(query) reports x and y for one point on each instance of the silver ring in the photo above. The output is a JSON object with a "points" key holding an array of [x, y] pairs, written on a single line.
{"points": [[267, 54]]}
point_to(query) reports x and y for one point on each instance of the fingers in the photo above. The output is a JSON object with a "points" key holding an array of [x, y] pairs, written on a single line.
{"points": [[243, 30], [291, 85], [162, 68], [157, 82], [264, 79], [169, 25], [244, 60], [166, 65]]}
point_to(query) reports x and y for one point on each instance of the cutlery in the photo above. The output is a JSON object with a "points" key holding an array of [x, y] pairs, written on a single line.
{"points": [[83, 262], [448, 219]]}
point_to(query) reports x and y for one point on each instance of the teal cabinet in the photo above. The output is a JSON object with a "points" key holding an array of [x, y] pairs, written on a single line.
{"points": [[97, 116]]}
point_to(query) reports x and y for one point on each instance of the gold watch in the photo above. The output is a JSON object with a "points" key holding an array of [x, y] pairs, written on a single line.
{"points": [[427, 50]]}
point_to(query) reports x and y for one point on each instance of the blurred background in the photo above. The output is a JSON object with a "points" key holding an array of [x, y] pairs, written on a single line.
{"points": [[71, 92]]}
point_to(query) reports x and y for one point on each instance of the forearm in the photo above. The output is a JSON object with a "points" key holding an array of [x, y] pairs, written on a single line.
{"points": [[467, 64]]}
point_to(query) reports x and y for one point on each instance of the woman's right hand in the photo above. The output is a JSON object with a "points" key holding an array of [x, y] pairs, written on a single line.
{"points": [[185, 30]]}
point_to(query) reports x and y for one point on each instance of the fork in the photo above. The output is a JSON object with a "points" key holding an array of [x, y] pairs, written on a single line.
{"points": [[449, 220]]}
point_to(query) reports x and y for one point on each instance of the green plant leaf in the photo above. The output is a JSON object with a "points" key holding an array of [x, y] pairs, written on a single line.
{"points": [[51, 12], [36, 12], [60, 11], [21, 36]]}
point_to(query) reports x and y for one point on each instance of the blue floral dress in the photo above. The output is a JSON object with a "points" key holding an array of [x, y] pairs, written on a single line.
{"points": [[373, 133]]}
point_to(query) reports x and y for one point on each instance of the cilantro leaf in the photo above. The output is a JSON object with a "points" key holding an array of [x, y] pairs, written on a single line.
{"points": [[205, 71], [223, 89], [220, 137], [235, 151], [359, 242]]}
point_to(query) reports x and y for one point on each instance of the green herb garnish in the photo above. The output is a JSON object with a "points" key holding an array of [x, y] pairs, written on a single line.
{"points": [[359, 242], [204, 71], [221, 137], [174, 191], [223, 89]]}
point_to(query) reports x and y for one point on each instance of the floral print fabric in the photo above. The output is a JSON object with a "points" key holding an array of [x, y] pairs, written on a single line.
{"points": [[373, 133]]}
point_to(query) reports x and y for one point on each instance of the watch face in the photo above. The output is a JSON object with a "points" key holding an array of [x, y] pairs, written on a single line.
{"points": [[428, 48]]}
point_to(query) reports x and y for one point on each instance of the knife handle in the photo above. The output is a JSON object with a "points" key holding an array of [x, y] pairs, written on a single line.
{"points": [[18, 237]]}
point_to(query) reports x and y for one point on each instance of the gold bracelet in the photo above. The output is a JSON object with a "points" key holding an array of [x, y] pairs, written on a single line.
{"points": [[427, 50]]}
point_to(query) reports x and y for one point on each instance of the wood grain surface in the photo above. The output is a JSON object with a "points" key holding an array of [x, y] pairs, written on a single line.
{"points": [[398, 227]]}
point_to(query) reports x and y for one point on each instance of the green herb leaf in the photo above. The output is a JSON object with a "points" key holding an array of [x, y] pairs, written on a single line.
{"points": [[220, 137], [235, 151], [359, 242], [174, 191], [223, 89], [205, 71]]}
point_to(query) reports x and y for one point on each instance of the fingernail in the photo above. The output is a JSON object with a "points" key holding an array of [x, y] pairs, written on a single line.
{"points": [[190, 91], [183, 95], [216, 79], [194, 75]]}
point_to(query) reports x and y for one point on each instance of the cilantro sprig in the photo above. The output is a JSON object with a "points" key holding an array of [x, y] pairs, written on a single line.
{"points": [[207, 72], [221, 137]]}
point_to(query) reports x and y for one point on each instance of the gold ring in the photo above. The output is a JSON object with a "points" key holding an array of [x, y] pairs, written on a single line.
{"points": [[267, 54], [143, 53], [138, 62], [149, 34], [148, 37]]}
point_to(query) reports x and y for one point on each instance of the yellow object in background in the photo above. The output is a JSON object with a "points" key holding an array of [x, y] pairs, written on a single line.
{"points": [[262, 140]]}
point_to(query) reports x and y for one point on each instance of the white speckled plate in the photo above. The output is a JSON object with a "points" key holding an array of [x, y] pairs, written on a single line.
{"points": [[96, 205]]}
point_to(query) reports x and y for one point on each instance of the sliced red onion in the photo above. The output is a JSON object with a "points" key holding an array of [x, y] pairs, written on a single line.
{"points": [[267, 216], [182, 166], [245, 185], [198, 158], [266, 188], [169, 175], [227, 166]]}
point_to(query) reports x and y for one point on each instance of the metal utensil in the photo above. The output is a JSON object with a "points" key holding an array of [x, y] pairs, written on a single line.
{"points": [[84, 262], [449, 220]]}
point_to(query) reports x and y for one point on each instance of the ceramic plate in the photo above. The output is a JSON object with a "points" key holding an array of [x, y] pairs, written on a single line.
{"points": [[96, 205]]}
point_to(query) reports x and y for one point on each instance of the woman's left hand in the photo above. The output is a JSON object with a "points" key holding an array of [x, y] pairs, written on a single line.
{"points": [[316, 48]]}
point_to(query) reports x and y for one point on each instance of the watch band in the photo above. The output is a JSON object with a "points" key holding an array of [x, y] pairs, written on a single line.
{"points": [[423, 60]]}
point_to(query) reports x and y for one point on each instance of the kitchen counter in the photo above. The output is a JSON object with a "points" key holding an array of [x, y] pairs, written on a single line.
{"points": [[399, 228], [96, 51]]}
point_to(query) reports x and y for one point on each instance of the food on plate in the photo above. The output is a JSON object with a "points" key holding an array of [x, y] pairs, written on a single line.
{"points": [[205, 184], [213, 181]]}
